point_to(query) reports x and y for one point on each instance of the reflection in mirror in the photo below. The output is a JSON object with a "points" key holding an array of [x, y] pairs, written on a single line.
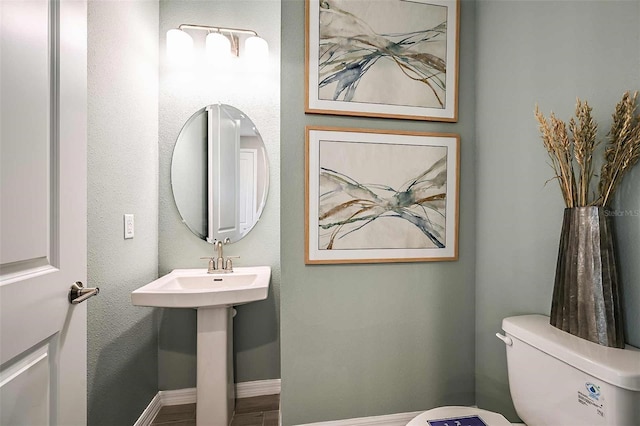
{"points": [[220, 173]]}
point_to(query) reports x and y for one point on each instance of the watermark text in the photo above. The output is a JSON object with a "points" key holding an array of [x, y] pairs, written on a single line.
{"points": [[621, 213]]}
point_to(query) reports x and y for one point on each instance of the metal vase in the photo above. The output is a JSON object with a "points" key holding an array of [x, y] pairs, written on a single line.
{"points": [[586, 300]]}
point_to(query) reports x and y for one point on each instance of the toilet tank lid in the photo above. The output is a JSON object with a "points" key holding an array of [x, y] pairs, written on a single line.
{"points": [[619, 367]]}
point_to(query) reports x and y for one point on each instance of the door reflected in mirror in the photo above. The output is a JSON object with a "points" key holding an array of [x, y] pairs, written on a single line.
{"points": [[220, 173]]}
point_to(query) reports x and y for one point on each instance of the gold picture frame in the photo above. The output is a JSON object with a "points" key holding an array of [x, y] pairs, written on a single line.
{"points": [[376, 196], [392, 59]]}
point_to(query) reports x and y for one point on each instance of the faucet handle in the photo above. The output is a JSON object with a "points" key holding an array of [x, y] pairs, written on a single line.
{"points": [[229, 263], [212, 264]]}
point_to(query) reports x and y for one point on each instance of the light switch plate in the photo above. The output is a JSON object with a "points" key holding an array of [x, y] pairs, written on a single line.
{"points": [[128, 226]]}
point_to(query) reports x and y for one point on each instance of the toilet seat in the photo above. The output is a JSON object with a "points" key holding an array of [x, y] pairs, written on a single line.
{"points": [[452, 412]]}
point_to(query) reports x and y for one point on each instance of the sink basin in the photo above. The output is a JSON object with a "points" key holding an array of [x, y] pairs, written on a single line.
{"points": [[195, 288], [212, 295]]}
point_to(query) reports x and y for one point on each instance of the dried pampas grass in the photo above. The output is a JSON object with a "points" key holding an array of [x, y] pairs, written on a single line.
{"points": [[571, 151]]}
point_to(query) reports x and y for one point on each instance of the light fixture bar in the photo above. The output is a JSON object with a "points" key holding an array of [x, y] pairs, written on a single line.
{"points": [[180, 44], [216, 29]]}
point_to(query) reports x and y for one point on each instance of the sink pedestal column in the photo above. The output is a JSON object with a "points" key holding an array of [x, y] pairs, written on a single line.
{"points": [[215, 393]]}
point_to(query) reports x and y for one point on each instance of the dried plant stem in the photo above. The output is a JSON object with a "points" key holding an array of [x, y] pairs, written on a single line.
{"points": [[621, 153], [623, 149], [560, 150], [584, 136]]}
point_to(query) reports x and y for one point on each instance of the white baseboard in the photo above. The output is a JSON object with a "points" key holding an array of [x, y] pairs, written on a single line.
{"points": [[150, 413], [178, 396], [400, 419], [188, 396], [257, 388]]}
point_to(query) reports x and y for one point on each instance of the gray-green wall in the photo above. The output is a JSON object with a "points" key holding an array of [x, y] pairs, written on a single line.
{"points": [[257, 93], [367, 340], [122, 178], [545, 52]]}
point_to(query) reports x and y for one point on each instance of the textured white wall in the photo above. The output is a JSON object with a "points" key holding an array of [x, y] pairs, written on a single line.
{"points": [[122, 178], [256, 91]]}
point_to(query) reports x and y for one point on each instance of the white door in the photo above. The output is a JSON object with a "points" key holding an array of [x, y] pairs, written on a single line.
{"points": [[224, 172], [248, 188], [42, 211]]}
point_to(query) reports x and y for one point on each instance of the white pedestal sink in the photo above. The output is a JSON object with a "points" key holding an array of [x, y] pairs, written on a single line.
{"points": [[213, 295]]}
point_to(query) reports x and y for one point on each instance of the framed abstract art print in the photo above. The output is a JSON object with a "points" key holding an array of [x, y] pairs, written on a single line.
{"points": [[380, 196], [383, 58]]}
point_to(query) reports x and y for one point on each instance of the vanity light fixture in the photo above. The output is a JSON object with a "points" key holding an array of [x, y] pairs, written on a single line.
{"points": [[179, 46], [218, 47], [257, 48], [221, 43]]}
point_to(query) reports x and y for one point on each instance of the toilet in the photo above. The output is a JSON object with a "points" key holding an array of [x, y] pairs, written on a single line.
{"points": [[556, 378]]}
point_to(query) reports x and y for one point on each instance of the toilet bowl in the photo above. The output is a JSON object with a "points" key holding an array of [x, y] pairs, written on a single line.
{"points": [[459, 416]]}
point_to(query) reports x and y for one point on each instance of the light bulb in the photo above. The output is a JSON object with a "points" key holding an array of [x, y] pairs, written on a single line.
{"points": [[218, 48], [256, 48], [179, 46]]}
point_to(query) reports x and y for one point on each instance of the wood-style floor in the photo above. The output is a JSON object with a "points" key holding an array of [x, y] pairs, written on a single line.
{"points": [[255, 411]]}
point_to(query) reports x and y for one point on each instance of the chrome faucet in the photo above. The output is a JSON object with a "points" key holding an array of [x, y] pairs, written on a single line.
{"points": [[218, 264]]}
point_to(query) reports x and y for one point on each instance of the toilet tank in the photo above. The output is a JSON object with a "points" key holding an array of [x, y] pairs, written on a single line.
{"points": [[556, 378]]}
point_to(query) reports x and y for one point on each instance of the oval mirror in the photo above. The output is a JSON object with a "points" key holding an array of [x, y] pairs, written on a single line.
{"points": [[220, 173]]}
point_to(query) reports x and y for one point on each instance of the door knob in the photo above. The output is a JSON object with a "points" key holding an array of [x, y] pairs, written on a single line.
{"points": [[79, 293]]}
